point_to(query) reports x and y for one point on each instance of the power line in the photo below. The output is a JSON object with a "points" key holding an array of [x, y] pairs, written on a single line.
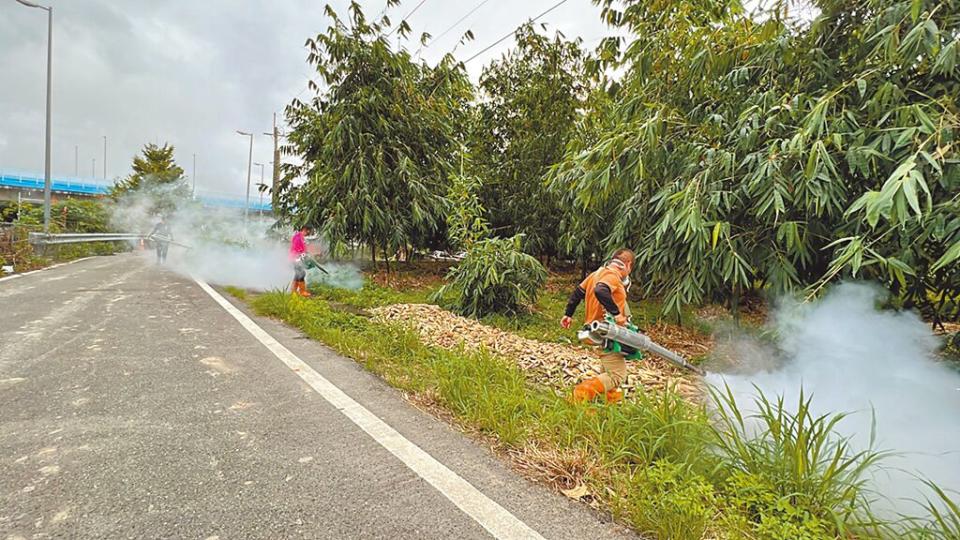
{"points": [[407, 16], [499, 41], [454, 25]]}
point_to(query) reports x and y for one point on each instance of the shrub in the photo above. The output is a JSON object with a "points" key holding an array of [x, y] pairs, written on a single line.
{"points": [[495, 276]]}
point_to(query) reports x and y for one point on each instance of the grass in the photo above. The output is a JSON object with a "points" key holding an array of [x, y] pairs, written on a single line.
{"points": [[541, 323], [237, 292], [667, 467]]}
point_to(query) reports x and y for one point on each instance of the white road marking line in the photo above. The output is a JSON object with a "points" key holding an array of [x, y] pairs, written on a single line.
{"points": [[491, 516], [15, 276]]}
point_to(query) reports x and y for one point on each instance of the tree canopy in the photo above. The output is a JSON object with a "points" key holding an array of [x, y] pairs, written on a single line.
{"points": [[749, 150], [531, 102], [155, 172], [378, 141], [737, 148]]}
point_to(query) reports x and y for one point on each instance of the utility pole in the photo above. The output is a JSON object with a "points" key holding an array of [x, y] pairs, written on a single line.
{"points": [[246, 206], [76, 160], [276, 160], [93, 168], [46, 168], [104, 157]]}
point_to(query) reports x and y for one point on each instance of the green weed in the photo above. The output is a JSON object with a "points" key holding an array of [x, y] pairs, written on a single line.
{"points": [[666, 500], [236, 292], [789, 471], [942, 521]]}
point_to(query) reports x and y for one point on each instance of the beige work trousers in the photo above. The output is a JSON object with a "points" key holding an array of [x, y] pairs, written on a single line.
{"points": [[614, 370]]}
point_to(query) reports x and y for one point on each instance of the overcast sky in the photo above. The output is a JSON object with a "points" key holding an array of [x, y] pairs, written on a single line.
{"points": [[193, 72]]}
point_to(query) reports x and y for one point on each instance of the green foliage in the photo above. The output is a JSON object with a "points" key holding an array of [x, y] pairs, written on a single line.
{"points": [[943, 522], [495, 276], [587, 203], [157, 175], [236, 292], [532, 97], [789, 471], [667, 500], [749, 150], [67, 215], [378, 141], [465, 222]]}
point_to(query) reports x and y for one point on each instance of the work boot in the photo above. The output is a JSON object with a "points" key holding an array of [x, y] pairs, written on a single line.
{"points": [[588, 390], [303, 290], [614, 396]]}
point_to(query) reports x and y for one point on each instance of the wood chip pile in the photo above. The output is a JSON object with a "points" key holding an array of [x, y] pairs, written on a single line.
{"points": [[552, 364]]}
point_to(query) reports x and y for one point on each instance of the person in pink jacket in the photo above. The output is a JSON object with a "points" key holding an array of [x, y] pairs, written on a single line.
{"points": [[298, 250]]}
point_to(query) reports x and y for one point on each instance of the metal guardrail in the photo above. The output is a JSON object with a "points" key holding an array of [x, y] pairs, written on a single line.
{"points": [[76, 238]]}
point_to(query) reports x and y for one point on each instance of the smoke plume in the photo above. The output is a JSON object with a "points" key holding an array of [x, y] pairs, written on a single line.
{"points": [[220, 245], [857, 359]]}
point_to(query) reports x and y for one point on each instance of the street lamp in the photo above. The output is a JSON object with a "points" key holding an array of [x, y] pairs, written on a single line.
{"points": [[104, 157], [246, 206], [46, 169], [260, 187]]}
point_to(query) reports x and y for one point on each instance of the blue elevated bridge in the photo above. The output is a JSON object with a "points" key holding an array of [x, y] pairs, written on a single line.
{"points": [[29, 185]]}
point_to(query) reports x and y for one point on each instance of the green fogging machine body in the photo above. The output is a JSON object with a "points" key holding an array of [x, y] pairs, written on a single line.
{"points": [[310, 262], [614, 337]]}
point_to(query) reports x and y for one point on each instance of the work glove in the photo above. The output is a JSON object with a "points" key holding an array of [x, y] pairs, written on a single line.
{"points": [[565, 322]]}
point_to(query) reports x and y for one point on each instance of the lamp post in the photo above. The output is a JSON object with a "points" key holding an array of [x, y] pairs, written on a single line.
{"points": [[246, 206], [46, 167], [104, 157]]}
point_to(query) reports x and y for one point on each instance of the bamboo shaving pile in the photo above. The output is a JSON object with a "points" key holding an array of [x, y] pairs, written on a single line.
{"points": [[552, 364]]}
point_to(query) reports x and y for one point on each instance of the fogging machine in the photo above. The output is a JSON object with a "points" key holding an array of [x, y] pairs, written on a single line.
{"points": [[166, 240], [616, 338], [310, 261]]}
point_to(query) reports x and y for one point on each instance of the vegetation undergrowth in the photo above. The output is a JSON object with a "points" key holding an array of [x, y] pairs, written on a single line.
{"points": [[69, 215], [667, 467]]}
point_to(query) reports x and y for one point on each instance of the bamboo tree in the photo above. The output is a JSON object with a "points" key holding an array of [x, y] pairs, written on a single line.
{"points": [[532, 96], [376, 141], [753, 151]]}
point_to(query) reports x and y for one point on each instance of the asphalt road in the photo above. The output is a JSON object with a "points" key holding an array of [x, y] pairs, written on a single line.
{"points": [[134, 405]]}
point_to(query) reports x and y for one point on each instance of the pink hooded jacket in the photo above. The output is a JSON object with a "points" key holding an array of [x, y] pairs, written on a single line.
{"points": [[298, 245]]}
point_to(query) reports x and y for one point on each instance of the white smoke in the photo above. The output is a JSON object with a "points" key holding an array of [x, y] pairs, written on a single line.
{"points": [[857, 359], [220, 245]]}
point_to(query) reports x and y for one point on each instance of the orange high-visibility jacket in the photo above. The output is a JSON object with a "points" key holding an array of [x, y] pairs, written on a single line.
{"points": [[610, 277]]}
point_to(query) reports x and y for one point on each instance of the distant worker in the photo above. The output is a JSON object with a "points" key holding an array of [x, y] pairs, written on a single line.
{"points": [[605, 291], [161, 237], [298, 252]]}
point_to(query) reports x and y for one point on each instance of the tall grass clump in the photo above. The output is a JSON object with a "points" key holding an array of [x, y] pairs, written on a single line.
{"points": [[788, 472], [942, 521]]}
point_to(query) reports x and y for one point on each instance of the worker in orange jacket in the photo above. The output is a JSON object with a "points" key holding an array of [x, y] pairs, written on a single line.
{"points": [[605, 291]]}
